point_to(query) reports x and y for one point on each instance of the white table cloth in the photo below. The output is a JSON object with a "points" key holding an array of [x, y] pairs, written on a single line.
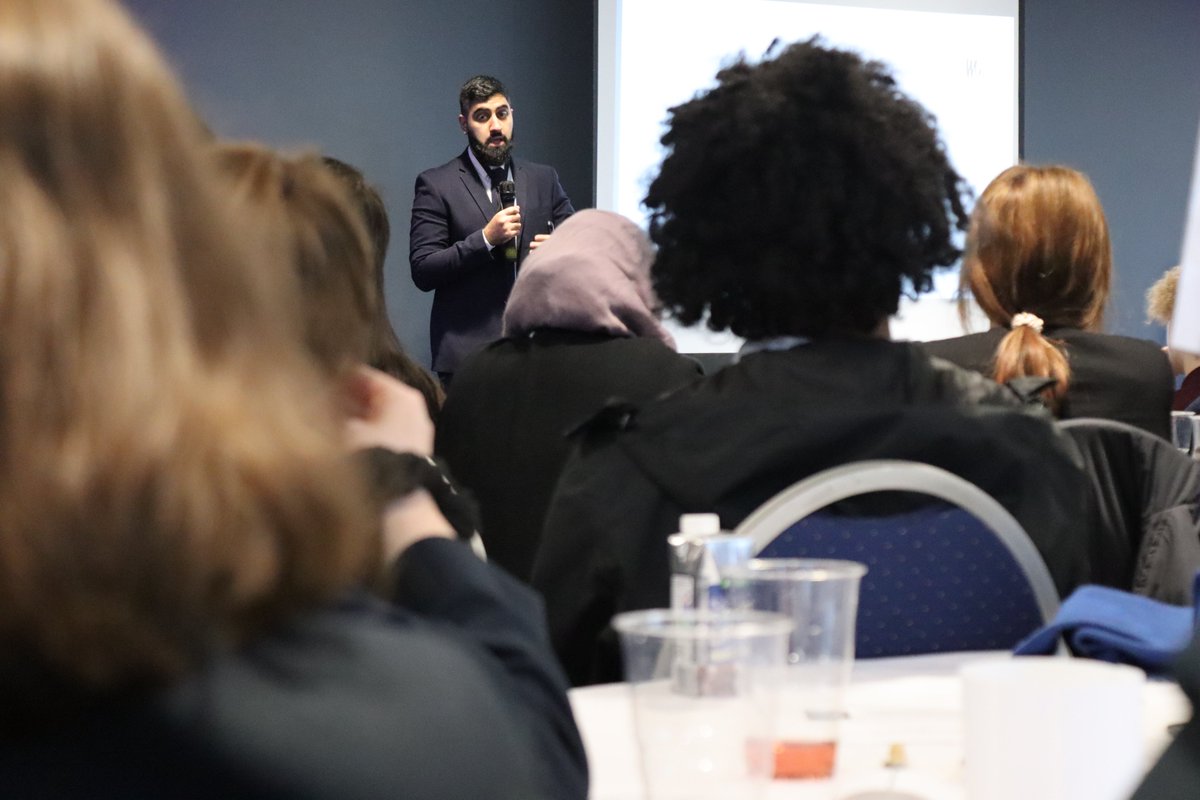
{"points": [[914, 701]]}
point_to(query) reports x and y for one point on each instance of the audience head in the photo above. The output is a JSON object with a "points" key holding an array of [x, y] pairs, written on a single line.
{"points": [[386, 353], [170, 479], [593, 274], [801, 196], [1160, 298], [307, 215], [366, 199], [1160, 307], [1038, 257]]}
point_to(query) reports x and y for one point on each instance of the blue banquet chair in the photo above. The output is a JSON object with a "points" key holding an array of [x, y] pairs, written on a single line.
{"points": [[954, 573]]}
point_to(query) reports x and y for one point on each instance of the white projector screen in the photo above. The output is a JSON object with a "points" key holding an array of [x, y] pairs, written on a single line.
{"points": [[958, 58]]}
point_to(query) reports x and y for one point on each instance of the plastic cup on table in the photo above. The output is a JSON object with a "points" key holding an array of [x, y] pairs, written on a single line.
{"points": [[820, 597], [705, 690]]}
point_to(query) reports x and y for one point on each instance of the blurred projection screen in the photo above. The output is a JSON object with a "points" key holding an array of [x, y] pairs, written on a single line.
{"points": [[958, 58]]}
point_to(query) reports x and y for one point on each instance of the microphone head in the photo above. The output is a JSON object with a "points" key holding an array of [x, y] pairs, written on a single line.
{"points": [[508, 193]]}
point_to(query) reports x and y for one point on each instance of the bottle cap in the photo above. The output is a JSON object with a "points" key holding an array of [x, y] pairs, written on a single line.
{"points": [[699, 524]]}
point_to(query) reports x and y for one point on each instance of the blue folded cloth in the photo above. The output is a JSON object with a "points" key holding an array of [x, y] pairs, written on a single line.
{"points": [[1119, 627]]}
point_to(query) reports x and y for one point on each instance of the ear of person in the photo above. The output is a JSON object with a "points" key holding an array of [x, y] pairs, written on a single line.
{"points": [[385, 412]]}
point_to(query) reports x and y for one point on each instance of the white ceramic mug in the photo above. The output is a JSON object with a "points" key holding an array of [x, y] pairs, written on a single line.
{"points": [[1053, 728]]}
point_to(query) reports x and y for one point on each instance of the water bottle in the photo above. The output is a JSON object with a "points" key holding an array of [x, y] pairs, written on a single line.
{"points": [[700, 552]]}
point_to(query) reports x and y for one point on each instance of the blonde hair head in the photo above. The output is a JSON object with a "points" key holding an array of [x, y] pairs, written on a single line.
{"points": [[1160, 298], [307, 215]]}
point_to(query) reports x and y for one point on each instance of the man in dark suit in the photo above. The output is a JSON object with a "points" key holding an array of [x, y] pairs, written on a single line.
{"points": [[462, 245]]}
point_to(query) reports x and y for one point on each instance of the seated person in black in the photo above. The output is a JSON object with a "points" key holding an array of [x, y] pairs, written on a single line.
{"points": [[579, 329], [1038, 263], [387, 354], [798, 199]]}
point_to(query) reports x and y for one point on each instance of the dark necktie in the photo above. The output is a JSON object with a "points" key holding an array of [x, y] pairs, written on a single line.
{"points": [[497, 174]]}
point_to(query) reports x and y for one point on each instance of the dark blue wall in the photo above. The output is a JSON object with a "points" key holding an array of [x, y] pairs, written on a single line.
{"points": [[1110, 87]]}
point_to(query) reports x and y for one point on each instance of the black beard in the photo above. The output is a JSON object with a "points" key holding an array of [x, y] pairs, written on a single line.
{"points": [[491, 156]]}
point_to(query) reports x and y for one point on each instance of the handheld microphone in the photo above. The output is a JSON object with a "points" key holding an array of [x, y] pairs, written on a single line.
{"points": [[508, 198]]}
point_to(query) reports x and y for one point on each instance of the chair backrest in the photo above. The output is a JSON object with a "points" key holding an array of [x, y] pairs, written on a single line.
{"points": [[1146, 493], [958, 573]]}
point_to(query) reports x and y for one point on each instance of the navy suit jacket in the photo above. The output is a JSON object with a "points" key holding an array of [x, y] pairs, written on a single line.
{"points": [[448, 256]]}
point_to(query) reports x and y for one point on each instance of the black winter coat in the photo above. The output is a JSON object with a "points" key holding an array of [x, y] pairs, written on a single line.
{"points": [[730, 441]]}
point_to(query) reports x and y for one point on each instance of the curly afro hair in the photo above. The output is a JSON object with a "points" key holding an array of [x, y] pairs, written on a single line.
{"points": [[801, 196]]}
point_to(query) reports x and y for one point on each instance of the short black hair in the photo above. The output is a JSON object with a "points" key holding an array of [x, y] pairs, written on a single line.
{"points": [[478, 89], [801, 196]]}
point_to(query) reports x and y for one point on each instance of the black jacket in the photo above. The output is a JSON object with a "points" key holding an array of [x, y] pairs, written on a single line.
{"points": [[503, 428], [453, 693], [730, 441], [1148, 498], [1112, 377]]}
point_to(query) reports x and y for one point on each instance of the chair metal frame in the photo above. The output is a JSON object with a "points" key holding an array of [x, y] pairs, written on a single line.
{"points": [[815, 492]]}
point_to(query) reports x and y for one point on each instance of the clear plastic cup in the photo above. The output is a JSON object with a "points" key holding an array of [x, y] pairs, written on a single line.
{"points": [[820, 598], [705, 689]]}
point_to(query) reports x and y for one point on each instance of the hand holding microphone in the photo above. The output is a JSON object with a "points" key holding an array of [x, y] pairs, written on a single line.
{"points": [[503, 227], [508, 200]]}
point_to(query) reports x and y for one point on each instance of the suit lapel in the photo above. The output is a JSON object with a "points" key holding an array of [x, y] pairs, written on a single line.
{"points": [[470, 179]]}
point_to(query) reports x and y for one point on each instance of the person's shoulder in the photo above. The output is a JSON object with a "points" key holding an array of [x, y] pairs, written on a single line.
{"points": [[525, 163], [1143, 354], [451, 167], [496, 348], [533, 167], [351, 661], [1112, 341], [973, 351], [951, 383], [697, 408], [651, 347], [966, 342], [645, 369], [485, 367], [373, 628], [621, 425], [363, 641]]}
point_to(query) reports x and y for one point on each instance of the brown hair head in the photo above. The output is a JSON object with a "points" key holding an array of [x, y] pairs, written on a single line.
{"points": [[170, 477], [308, 215], [387, 354], [1038, 244]]}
